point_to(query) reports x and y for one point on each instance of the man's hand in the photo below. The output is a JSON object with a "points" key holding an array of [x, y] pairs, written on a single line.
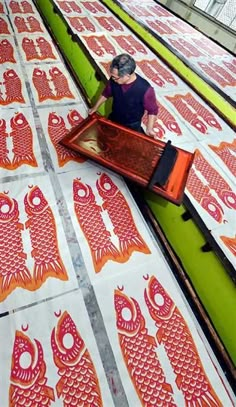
{"points": [[150, 132], [92, 110]]}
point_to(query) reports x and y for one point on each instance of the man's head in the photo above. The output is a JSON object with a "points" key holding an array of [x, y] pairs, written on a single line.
{"points": [[122, 68]]}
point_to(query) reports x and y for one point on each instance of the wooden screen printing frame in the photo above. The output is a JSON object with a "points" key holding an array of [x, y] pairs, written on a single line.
{"points": [[134, 155]]}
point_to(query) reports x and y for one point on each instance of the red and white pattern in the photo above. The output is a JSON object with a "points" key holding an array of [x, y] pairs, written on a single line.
{"points": [[142, 325], [4, 25], [7, 53], [12, 87], [27, 233], [99, 45], [37, 48], [21, 7], [56, 122], [51, 84], [35, 365], [27, 24]]}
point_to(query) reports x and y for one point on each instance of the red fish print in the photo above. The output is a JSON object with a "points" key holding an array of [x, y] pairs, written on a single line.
{"points": [[224, 73], [202, 111], [91, 222], [34, 24], [78, 385], [227, 153], [160, 11], [109, 23], [121, 217], [13, 270], [202, 194], [15, 7], [156, 72], [130, 44], [13, 87], [139, 353], [29, 384], [27, 8], [215, 180], [213, 74], [230, 65], [63, 5], [45, 48], [186, 48], [21, 25], [74, 117], [174, 334], [230, 242], [4, 160], [160, 27], [81, 24], [6, 52], [22, 137], [94, 7], [43, 236], [60, 83], [4, 26], [41, 83], [29, 49], [75, 7], [1, 8], [57, 130], [190, 116]]}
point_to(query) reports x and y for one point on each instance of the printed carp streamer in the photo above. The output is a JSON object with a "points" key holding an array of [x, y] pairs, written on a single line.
{"points": [[13, 270], [121, 217], [78, 385], [174, 334], [29, 384], [57, 130], [91, 222], [139, 352], [43, 236]]}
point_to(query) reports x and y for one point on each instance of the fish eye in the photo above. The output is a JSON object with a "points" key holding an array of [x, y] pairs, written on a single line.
{"points": [[36, 201], [5, 208], [159, 299], [107, 186], [81, 193], [126, 314]]}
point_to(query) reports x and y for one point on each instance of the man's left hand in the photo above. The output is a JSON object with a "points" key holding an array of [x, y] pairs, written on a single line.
{"points": [[150, 132]]}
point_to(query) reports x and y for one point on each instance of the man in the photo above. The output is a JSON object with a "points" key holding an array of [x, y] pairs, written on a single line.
{"points": [[132, 95]]}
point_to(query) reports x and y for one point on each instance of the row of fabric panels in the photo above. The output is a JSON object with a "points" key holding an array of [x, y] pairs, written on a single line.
{"points": [[211, 276], [206, 66], [74, 329], [183, 118]]}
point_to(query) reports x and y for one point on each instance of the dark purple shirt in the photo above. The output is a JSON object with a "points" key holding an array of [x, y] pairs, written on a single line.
{"points": [[149, 100]]}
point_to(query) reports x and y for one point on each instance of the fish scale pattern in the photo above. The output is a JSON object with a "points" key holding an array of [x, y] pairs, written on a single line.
{"points": [[23, 147], [141, 358], [185, 361], [43, 237], [212, 176], [13, 269], [224, 152], [78, 384]]}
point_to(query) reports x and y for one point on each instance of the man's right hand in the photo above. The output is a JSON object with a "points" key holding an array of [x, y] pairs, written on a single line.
{"points": [[92, 110]]}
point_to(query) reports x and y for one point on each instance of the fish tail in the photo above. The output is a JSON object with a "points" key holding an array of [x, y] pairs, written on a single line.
{"points": [[136, 243], [10, 281], [210, 399], [5, 163], [29, 159], [55, 268], [65, 157], [102, 255]]}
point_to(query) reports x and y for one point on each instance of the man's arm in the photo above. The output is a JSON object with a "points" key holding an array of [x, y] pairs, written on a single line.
{"points": [[102, 99], [150, 124], [150, 105]]}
